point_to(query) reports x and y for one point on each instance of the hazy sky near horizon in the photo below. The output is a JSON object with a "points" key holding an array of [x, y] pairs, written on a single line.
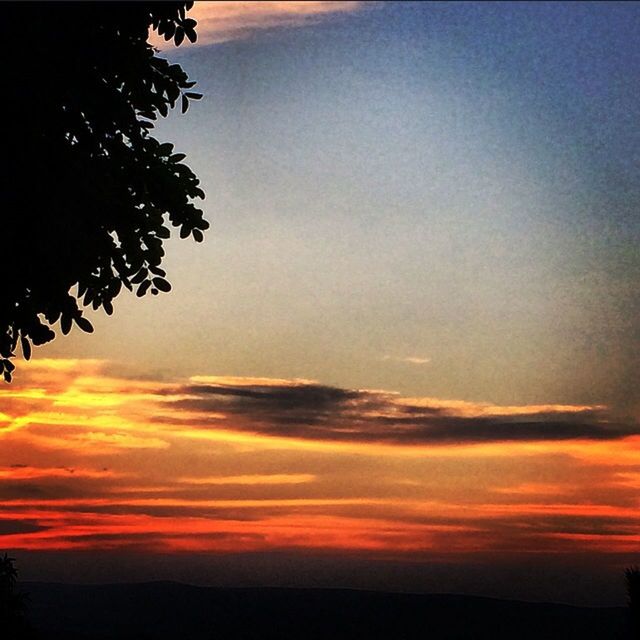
{"points": [[413, 329]]}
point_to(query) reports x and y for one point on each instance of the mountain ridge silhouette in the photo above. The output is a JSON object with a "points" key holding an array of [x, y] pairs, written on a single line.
{"points": [[165, 609]]}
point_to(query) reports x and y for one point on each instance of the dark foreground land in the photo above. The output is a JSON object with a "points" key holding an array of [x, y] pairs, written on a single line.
{"points": [[163, 610]]}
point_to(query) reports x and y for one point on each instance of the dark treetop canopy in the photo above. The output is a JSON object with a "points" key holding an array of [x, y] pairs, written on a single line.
{"points": [[89, 193]]}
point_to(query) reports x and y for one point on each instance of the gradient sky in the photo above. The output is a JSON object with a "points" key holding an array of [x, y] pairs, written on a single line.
{"points": [[413, 331]]}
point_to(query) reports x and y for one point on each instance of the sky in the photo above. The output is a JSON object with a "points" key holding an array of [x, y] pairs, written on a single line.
{"points": [[406, 355]]}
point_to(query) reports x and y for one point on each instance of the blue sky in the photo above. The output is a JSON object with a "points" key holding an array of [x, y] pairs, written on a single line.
{"points": [[450, 182]]}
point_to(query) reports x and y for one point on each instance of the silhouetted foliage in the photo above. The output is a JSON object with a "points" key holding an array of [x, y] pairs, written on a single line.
{"points": [[632, 575], [89, 194], [13, 624]]}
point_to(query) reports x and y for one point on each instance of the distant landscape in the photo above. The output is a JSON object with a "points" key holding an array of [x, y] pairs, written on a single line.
{"points": [[163, 610]]}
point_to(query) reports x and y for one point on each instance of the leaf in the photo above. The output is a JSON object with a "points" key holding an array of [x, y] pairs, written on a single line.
{"points": [[185, 103], [162, 284], [179, 36], [198, 236], [177, 157], [140, 276], [142, 289], [173, 92], [65, 324], [193, 96], [108, 307], [41, 335], [26, 347], [84, 324], [169, 29], [7, 376]]}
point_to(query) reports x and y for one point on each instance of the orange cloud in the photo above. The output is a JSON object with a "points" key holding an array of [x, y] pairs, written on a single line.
{"points": [[532, 488], [92, 461], [224, 21], [273, 478], [24, 472]]}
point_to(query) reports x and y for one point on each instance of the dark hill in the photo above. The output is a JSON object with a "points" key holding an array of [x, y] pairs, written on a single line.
{"points": [[163, 610]]}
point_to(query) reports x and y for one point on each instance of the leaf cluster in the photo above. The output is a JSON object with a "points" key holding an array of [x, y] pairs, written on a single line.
{"points": [[90, 194]]}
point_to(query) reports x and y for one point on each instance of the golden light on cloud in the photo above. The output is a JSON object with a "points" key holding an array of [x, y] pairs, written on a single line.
{"points": [[224, 21], [226, 381], [273, 478], [477, 409], [89, 460]]}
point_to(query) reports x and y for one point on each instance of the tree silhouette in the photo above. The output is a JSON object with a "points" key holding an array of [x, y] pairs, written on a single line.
{"points": [[89, 194], [12, 605], [632, 576]]}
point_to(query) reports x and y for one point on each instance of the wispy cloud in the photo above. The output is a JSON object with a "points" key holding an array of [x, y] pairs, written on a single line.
{"points": [[26, 472], [407, 359], [532, 489], [224, 21], [255, 478]]}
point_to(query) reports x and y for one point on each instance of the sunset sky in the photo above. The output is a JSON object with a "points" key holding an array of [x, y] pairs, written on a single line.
{"points": [[407, 354]]}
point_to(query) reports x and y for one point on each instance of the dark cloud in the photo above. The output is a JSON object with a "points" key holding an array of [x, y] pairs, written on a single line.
{"points": [[300, 404], [308, 410], [149, 540], [11, 527], [589, 525], [23, 491], [43, 490], [298, 396]]}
